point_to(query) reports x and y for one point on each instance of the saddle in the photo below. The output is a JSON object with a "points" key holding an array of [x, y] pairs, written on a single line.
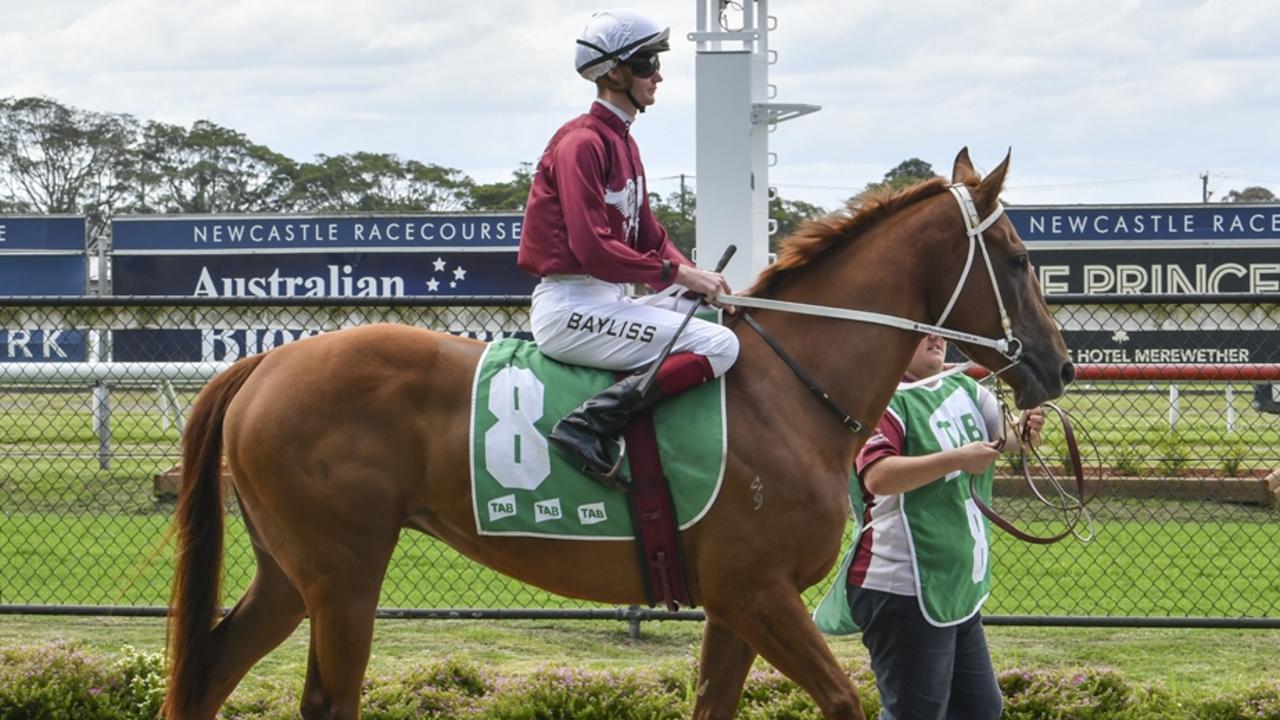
{"points": [[521, 486]]}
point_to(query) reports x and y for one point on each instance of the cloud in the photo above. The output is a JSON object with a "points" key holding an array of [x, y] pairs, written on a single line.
{"points": [[1093, 95]]}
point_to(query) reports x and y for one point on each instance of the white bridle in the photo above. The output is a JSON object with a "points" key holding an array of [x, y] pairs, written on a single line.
{"points": [[975, 227]]}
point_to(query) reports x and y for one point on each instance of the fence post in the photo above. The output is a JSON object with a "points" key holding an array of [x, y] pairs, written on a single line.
{"points": [[101, 401], [633, 622], [1231, 409], [1173, 406]]}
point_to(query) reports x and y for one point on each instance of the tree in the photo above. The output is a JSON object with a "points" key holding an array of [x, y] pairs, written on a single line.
{"points": [[789, 214], [209, 169], [1250, 194], [907, 173], [9, 205], [379, 182], [502, 196], [678, 214], [56, 159]]}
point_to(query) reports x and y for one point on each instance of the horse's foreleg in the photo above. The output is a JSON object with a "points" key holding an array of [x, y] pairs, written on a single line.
{"points": [[269, 611], [778, 626], [726, 660]]}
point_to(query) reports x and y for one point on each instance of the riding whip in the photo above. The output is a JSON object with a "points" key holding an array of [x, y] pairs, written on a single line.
{"points": [[652, 373]]}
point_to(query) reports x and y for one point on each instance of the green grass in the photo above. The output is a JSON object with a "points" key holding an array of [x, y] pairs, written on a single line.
{"points": [[72, 532], [1129, 426], [1194, 661], [49, 449], [1132, 568], [99, 559]]}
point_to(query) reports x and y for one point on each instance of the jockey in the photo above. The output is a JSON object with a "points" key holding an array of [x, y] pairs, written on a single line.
{"points": [[588, 230]]}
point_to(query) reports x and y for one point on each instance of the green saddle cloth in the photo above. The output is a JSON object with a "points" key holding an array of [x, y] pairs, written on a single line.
{"points": [[522, 486]]}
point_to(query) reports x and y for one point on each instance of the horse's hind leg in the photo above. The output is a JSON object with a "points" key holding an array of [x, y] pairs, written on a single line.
{"points": [[726, 660], [777, 625], [342, 603], [269, 611]]}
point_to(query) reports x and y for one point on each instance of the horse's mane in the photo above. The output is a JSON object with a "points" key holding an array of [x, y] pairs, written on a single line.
{"points": [[817, 237]]}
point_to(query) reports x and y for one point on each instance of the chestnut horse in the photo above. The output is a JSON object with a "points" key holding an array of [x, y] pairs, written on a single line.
{"points": [[337, 442]]}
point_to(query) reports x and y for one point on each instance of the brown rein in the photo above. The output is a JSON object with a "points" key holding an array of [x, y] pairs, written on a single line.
{"points": [[1077, 469]]}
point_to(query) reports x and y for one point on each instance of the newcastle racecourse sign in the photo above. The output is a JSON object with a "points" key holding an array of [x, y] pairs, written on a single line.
{"points": [[290, 256], [279, 256], [1154, 249]]}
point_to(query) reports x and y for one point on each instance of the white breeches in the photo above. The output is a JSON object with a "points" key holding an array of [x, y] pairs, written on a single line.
{"points": [[580, 320]]}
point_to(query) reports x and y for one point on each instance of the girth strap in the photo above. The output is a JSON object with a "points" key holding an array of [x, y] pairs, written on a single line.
{"points": [[853, 425]]}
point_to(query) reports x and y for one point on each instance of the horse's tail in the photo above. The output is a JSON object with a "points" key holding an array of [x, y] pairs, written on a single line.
{"points": [[199, 523]]}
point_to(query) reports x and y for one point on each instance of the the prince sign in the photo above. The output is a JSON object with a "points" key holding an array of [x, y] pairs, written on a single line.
{"points": [[1202, 249]]}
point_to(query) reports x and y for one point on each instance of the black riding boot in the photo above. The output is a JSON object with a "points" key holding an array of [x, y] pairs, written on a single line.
{"points": [[583, 433]]}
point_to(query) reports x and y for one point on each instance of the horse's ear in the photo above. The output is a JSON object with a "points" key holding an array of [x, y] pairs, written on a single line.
{"points": [[962, 171], [989, 190]]}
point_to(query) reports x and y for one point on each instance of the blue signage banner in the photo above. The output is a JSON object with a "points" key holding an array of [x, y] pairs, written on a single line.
{"points": [[289, 256], [333, 274], [275, 233], [42, 234], [42, 256], [42, 274], [41, 345], [1211, 223]]}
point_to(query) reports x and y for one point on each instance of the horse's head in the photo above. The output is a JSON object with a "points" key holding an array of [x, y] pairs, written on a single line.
{"points": [[1041, 367]]}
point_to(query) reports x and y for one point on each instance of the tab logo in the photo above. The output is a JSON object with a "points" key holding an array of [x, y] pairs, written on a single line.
{"points": [[592, 513], [502, 507], [546, 510]]}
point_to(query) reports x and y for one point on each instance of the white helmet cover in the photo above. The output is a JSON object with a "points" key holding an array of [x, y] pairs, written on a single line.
{"points": [[614, 35]]}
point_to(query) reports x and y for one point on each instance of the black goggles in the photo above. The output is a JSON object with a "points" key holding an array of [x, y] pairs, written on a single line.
{"points": [[643, 65]]}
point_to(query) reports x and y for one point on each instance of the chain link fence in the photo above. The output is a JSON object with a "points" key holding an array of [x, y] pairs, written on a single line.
{"points": [[1175, 399]]}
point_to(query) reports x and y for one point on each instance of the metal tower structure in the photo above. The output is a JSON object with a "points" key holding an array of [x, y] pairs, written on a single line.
{"points": [[735, 115]]}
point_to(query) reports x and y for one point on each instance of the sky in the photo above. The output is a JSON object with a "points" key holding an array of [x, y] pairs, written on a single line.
{"points": [[1101, 101]]}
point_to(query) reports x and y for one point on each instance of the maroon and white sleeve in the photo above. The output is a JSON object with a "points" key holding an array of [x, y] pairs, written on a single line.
{"points": [[889, 439]]}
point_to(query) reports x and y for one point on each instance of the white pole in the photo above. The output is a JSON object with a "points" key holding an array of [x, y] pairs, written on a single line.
{"points": [[734, 118], [100, 400], [1173, 406], [114, 373], [171, 406], [1231, 409]]}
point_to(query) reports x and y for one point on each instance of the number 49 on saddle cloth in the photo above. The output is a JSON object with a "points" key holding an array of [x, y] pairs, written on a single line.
{"points": [[520, 486]]}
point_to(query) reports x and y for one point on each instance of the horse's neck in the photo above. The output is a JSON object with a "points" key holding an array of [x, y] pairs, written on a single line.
{"points": [[857, 364]]}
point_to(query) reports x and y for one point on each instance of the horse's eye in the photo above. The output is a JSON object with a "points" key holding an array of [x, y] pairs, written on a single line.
{"points": [[1019, 261]]}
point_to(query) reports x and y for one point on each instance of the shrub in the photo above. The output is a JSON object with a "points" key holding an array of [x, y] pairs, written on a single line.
{"points": [[1127, 462], [61, 680], [1261, 702], [557, 694], [273, 701], [1233, 459], [447, 690], [142, 680], [1174, 454]]}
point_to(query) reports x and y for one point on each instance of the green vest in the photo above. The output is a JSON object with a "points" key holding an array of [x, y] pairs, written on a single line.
{"points": [[947, 534]]}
